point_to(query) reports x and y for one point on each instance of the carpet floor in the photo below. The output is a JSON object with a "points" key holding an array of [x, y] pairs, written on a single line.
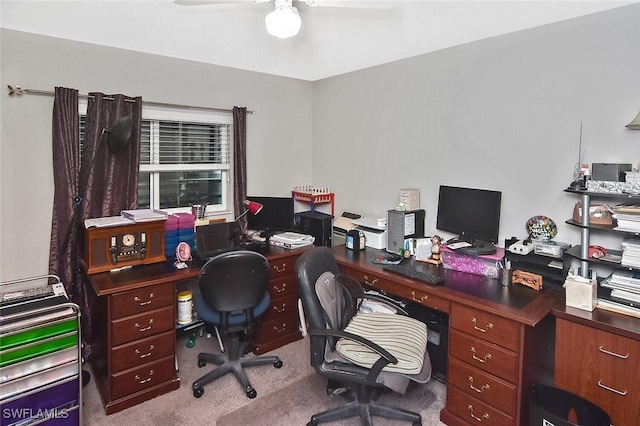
{"points": [[286, 396]]}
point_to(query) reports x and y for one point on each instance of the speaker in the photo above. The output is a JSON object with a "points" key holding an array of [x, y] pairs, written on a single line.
{"points": [[402, 225], [319, 225]]}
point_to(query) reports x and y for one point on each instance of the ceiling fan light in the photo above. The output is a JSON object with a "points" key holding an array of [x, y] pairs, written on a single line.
{"points": [[284, 22]]}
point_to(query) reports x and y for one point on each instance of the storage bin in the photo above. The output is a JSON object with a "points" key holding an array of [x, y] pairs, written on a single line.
{"points": [[487, 266], [549, 406]]}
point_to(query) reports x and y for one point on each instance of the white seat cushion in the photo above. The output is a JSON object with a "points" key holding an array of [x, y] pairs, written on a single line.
{"points": [[404, 337]]}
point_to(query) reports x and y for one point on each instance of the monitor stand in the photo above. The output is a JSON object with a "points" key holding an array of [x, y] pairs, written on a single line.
{"points": [[478, 248]]}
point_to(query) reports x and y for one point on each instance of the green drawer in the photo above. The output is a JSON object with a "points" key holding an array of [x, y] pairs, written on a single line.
{"points": [[38, 333], [42, 347]]}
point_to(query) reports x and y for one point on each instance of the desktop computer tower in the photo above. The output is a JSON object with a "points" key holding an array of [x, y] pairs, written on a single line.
{"points": [[319, 225], [402, 225]]}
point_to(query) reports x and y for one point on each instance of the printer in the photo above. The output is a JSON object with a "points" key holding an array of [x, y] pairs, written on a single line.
{"points": [[374, 230]]}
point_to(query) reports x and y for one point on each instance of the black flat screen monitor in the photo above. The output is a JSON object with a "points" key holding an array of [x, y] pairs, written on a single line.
{"points": [[276, 214], [472, 214]]}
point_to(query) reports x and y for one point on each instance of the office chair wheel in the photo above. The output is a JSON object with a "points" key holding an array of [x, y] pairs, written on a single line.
{"points": [[251, 392], [277, 364], [201, 363], [197, 392]]}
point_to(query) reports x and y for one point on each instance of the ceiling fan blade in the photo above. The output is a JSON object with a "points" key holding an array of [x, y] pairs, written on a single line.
{"points": [[357, 4], [214, 2]]}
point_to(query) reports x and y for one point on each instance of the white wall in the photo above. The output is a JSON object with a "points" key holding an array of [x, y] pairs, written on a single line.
{"points": [[502, 113], [279, 130]]}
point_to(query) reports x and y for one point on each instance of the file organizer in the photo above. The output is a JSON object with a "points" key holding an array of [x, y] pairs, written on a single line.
{"points": [[40, 364]]}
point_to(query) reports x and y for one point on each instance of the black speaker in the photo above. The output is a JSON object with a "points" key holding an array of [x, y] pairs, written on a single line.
{"points": [[319, 225]]}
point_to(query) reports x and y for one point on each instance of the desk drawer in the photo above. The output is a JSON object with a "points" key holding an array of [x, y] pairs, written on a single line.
{"points": [[136, 327], [483, 386], [142, 377], [424, 298], [283, 266], [475, 411], [604, 370], [280, 308], [141, 300], [485, 356], [281, 326], [283, 286], [371, 280], [142, 351], [485, 326]]}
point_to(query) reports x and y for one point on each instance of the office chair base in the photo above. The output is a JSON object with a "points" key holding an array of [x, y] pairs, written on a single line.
{"points": [[365, 407], [234, 363]]}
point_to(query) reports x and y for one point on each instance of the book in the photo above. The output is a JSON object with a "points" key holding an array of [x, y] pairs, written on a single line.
{"points": [[619, 308]]}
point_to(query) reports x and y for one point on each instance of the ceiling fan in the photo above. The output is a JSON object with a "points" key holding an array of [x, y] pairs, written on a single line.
{"points": [[285, 21]]}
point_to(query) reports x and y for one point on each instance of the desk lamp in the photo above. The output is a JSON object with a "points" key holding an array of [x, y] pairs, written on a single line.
{"points": [[251, 207]]}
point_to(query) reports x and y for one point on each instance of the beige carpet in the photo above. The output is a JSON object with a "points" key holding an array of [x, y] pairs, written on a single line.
{"points": [[308, 396], [225, 395]]}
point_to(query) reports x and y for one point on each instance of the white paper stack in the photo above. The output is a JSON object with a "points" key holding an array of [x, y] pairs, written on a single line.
{"points": [[627, 217], [291, 240], [631, 252]]}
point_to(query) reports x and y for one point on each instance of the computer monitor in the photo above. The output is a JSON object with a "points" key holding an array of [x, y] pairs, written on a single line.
{"points": [[472, 214], [276, 214]]}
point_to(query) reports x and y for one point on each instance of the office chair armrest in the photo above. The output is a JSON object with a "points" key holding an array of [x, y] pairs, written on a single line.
{"points": [[385, 356]]}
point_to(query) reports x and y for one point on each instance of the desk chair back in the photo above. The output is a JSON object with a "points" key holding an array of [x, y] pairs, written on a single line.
{"points": [[234, 281]]}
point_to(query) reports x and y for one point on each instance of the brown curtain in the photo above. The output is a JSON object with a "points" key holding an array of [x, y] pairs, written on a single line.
{"points": [[104, 184], [240, 165]]}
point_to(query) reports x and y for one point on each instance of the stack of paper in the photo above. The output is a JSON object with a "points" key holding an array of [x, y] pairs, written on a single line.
{"points": [[631, 252], [291, 240], [627, 217], [624, 294], [144, 215]]}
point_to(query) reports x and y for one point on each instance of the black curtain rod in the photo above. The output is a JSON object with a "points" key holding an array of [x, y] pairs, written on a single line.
{"points": [[17, 90]]}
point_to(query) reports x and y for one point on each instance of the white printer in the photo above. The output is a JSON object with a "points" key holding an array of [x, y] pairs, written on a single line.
{"points": [[374, 230]]}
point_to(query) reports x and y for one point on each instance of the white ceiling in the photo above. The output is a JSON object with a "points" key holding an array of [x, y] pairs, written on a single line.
{"points": [[332, 40]]}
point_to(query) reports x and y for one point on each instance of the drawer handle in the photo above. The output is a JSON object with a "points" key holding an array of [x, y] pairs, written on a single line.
{"points": [[366, 280], [422, 299], [613, 353], [489, 326], [145, 355], [280, 330], [280, 289], [484, 417], [280, 269], [148, 302], [282, 309], [148, 379], [486, 358], [137, 325], [484, 387], [623, 393]]}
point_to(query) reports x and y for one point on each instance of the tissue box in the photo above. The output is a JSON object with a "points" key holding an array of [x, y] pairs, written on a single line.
{"points": [[581, 292], [479, 265]]}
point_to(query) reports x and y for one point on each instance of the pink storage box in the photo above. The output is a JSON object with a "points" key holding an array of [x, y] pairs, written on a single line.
{"points": [[186, 220], [479, 265]]}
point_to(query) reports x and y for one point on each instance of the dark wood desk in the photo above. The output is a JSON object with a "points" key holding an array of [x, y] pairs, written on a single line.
{"points": [[605, 369], [501, 339], [133, 318]]}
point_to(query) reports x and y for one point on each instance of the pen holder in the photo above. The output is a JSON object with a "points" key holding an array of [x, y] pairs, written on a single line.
{"points": [[505, 276]]}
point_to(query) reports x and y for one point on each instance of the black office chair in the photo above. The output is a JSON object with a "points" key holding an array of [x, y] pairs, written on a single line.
{"points": [[231, 293], [366, 381]]}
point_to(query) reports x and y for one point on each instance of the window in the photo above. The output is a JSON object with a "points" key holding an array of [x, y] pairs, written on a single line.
{"points": [[185, 159]]}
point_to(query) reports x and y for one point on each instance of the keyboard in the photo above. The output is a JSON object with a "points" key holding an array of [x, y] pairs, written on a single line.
{"points": [[413, 273]]}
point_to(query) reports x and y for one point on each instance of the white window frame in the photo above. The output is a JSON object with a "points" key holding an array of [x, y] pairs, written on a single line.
{"points": [[160, 113]]}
